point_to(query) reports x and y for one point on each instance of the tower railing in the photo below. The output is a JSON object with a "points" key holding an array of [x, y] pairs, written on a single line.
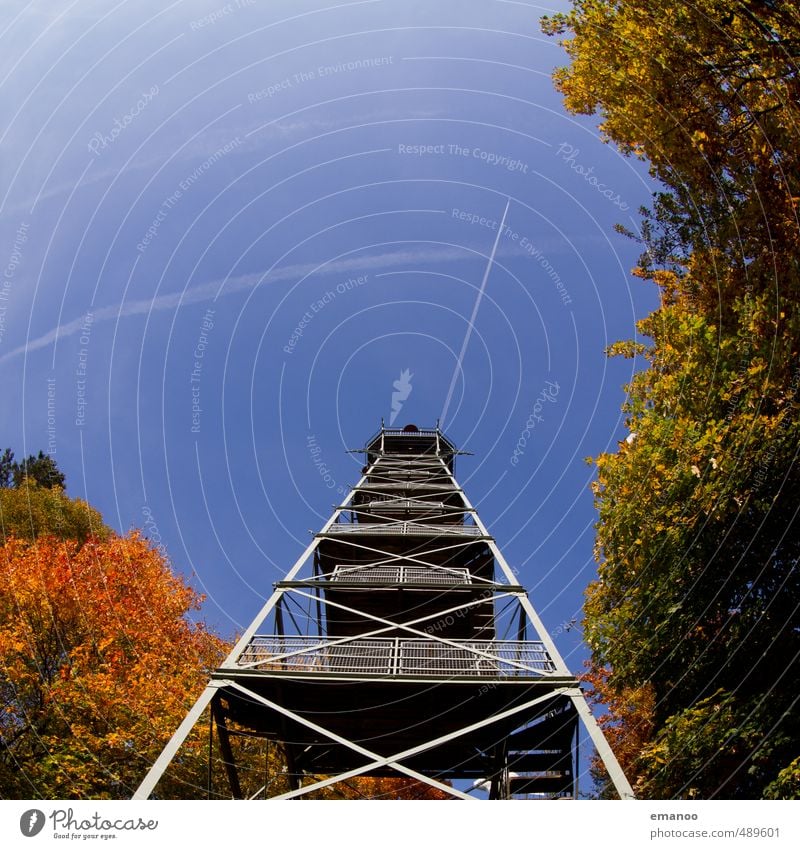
{"points": [[400, 574], [398, 656], [387, 647]]}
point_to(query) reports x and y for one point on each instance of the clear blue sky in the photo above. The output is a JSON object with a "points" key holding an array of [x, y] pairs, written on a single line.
{"points": [[227, 229]]}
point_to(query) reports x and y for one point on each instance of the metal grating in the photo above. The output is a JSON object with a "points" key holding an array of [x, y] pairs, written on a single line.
{"points": [[420, 656], [399, 575], [444, 487], [307, 654], [387, 502], [399, 657], [370, 575], [410, 528]]}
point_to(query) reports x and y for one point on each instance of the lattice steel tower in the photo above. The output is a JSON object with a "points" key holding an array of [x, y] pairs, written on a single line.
{"points": [[404, 665]]}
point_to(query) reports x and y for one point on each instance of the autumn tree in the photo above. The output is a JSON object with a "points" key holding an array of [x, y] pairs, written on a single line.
{"points": [[41, 468], [698, 546], [6, 468], [30, 510], [388, 788], [33, 502], [98, 664], [100, 661], [626, 721]]}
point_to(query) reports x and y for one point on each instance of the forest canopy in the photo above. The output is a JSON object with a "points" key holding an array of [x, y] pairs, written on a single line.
{"points": [[693, 620], [102, 656]]}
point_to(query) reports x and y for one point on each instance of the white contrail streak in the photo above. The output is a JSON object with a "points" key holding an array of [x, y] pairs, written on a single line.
{"points": [[471, 324]]}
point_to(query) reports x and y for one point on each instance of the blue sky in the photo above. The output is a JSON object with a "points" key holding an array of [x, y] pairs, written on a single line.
{"points": [[228, 229]]}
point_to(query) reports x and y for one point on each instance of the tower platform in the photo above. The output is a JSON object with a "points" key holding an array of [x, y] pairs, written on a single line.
{"points": [[402, 643]]}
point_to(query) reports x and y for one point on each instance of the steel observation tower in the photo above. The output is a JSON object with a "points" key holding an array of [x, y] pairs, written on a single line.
{"points": [[422, 655]]}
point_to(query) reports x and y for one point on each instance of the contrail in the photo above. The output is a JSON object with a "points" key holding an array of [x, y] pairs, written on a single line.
{"points": [[472, 318], [219, 288]]}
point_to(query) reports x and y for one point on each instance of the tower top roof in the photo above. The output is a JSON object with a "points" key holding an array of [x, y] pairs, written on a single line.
{"points": [[411, 439]]}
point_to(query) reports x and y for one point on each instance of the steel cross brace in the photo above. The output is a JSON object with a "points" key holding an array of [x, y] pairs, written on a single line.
{"points": [[391, 557], [620, 782], [392, 521], [392, 760], [345, 742], [389, 625]]}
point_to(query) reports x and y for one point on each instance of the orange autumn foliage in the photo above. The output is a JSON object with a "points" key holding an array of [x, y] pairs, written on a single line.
{"points": [[387, 788], [628, 723], [98, 665]]}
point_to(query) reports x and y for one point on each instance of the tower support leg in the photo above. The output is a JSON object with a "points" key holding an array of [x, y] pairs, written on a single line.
{"points": [[152, 778], [218, 719], [607, 756]]}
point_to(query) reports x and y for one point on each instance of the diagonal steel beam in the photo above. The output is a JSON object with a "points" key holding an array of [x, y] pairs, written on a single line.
{"points": [[411, 559], [609, 759], [251, 631], [155, 772], [345, 742], [537, 623], [424, 635], [388, 626], [381, 761]]}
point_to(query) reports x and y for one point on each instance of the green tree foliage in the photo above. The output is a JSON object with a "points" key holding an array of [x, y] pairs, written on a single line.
{"points": [[40, 468], [99, 663], [787, 784], [6, 468], [33, 503], [30, 511], [698, 539]]}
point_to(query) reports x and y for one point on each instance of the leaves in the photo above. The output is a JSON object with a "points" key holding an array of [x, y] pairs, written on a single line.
{"points": [[41, 469], [99, 665], [28, 511], [698, 589]]}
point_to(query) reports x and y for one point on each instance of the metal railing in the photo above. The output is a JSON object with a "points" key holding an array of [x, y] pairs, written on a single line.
{"points": [[401, 574], [398, 657], [387, 502], [409, 528], [399, 431]]}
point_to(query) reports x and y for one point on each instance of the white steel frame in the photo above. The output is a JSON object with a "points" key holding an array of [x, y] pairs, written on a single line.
{"points": [[563, 683]]}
